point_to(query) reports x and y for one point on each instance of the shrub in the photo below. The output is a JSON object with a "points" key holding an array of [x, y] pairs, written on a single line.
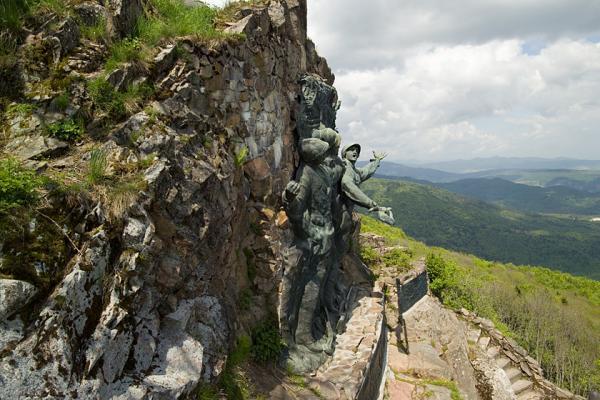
{"points": [[67, 130], [368, 255], [266, 341], [399, 258], [117, 105], [18, 186], [447, 283], [106, 98]]}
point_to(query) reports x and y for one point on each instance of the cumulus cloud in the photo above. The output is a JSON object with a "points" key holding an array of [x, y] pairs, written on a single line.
{"points": [[439, 79], [478, 100]]}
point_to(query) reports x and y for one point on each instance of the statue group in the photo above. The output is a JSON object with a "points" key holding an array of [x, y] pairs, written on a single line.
{"points": [[319, 203]]}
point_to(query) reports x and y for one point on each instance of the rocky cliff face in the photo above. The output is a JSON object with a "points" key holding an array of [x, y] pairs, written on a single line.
{"points": [[144, 300]]}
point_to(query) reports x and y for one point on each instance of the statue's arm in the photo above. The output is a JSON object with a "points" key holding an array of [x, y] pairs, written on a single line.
{"points": [[354, 193], [295, 198], [368, 170]]}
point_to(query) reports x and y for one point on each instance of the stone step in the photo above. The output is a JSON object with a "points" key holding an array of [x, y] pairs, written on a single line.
{"points": [[503, 362], [484, 341], [521, 385], [493, 351], [530, 395], [473, 335], [513, 374]]}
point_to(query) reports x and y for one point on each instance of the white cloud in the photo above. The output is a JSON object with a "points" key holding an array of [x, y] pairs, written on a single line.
{"points": [[466, 101]]}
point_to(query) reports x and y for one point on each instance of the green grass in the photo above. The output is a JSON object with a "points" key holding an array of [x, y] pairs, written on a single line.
{"points": [[11, 13], [233, 382], [117, 105], [96, 32], [171, 18], [166, 20], [97, 166]]}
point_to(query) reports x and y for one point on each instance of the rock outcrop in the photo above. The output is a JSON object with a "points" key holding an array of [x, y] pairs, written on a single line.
{"points": [[146, 306]]}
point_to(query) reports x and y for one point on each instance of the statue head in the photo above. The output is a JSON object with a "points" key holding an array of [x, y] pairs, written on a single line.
{"points": [[313, 151], [351, 152]]}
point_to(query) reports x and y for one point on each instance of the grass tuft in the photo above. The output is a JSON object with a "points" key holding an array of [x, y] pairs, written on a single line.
{"points": [[97, 167]]}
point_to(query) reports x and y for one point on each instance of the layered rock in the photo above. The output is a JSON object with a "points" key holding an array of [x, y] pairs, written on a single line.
{"points": [[148, 304]]}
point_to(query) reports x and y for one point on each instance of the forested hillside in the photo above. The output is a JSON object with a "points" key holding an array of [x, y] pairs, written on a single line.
{"points": [[444, 219], [534, 199]]}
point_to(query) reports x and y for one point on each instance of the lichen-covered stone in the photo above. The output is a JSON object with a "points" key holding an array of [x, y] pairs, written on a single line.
{"points": [[14, 295]]}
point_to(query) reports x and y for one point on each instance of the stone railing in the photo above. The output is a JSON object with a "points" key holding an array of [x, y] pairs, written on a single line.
{"points": [[518, 356]]}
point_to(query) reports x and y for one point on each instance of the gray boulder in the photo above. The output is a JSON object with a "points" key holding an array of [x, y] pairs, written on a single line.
{"points": [[14, 295]]}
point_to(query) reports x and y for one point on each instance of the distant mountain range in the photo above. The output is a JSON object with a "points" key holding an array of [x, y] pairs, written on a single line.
{"points": [[504, 163], [532, 199], [581, 179]]}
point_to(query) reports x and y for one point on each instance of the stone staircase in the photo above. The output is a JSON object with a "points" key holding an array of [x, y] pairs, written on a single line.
{"points": [[522, 387], [524, 373]]}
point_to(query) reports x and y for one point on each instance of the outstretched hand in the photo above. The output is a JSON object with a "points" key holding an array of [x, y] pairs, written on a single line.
{"points": [[379, 156]]}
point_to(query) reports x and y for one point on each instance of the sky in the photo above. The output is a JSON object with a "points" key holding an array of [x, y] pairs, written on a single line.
{"points": [[435, 80]]}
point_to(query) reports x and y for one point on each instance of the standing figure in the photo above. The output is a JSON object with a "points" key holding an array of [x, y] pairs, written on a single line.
{"points": [[353, 177]]}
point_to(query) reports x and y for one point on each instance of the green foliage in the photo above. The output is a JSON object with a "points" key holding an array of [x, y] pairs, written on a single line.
{"points": [[207, 392], [398, 258], [266, 341], [393, 235], [56, 7], [240, 156], [235, 385], [96, 32], [117, 105], [18, 186], [167, 19], [97, 166], [11, 13], [106, 98], [172, 18], [127, 50], [245, 301], [451, 385], [368, 255], [20, 109], [547, 200], [441, 218], [448, 283], [62, 102], [67, 130]]}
